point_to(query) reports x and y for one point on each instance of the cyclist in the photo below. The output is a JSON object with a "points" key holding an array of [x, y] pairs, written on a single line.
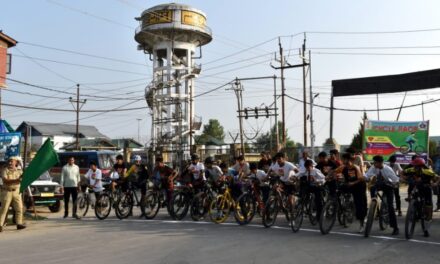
{"points": [[355, 184], [94, 176], [311, 181], [213, 173], [383, 178], [239, 170], [163, 177], [326, 166], [260, 185], [411, 140], [265, 161], [197, 169], [334, 156], [357, 158], [304, 158], [140, 173], [286, 171], [423, 177], [398, 171], [119, 171]]}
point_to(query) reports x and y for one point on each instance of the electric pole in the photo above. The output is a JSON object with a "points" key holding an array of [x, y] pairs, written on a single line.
{"points": [[303, 55], [238, 89], [79, 104]]}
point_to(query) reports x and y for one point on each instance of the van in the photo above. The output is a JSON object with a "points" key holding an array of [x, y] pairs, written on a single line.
{"points": [[104, 159]]}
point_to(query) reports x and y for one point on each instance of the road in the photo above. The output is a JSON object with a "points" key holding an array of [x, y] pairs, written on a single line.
{"points": [[137, 240]]}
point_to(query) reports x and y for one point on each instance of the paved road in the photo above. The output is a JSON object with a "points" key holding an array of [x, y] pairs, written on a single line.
{"points": [[136, 240]]}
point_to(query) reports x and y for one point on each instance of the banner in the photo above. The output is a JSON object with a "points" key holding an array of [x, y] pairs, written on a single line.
{"points": [[9, 145], [402, 139]]}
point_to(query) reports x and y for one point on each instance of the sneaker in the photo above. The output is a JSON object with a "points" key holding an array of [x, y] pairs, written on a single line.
{"points": [[395, 232], [76, 217], [20, 227]]}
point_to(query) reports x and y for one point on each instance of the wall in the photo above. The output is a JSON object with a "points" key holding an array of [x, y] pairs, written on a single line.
{"points": [[3, 51]]}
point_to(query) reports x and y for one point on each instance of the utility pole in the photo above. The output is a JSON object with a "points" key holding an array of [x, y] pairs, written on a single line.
{"points": [[303, 55], [79, 104], [238, 89], [139, 129], [282, 67], [312, 101], [277, 144]]}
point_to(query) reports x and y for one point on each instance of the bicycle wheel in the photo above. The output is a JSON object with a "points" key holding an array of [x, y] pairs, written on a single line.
{"points": [[179, 205], [270, 212], [384, 216], [151, 205], [410, 220], [370, 217], [219, 209], [103, 206], [245, 209], [328, 216], [312, 211], [297, 216], [124, 206], [199, 206], [419, 150], [82, 204], [349, 211], [404, 149]]}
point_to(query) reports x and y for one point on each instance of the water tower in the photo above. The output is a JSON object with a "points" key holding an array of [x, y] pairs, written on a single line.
{"points": [[172, 35]]}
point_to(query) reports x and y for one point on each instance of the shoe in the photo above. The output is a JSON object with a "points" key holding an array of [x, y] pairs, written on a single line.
{"points": [[361, 229], [426, 233], [65, 216], [399, 213], [395, 232], [437, 208], [20, 227], [76, 217]]}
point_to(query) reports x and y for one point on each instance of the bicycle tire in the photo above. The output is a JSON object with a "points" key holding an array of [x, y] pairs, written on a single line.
{"points": [[219, 209], [124, 206], [419, 150], [370, 217], [179, 205], [404, 149], [103, 206], [410, 220], [245, 209], [349, 211], [152, 205], [82, 204], [384, 217], [198, 207], [328, 216], [270, 212], [297, 216], [312, 211]]}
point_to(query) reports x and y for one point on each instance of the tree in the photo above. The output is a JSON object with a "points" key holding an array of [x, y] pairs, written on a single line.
{"points": [[264, 140], [356, 142], [211, 130], [432, 148]]}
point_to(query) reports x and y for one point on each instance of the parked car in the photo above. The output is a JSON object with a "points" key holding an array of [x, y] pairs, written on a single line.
{"points": [[44, 192], [103, 158]]}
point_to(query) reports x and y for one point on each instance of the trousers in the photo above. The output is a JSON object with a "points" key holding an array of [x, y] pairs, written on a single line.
{"points": [[7, 198]]}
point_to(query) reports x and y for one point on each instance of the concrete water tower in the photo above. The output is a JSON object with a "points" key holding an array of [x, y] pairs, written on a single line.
{"points": [[172, 35]]}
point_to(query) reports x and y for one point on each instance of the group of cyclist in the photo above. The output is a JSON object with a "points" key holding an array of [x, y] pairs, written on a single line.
{"points": [[321, 178]]}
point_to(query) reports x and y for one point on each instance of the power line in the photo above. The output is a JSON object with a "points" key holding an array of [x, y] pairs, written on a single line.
{"points": [[374, 47], [376, 54], [85, 111], [212, 90], [374, 32], [81, 53]]}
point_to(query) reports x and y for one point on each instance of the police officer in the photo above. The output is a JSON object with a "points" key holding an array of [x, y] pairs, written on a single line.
{"points": [[11, 177]]}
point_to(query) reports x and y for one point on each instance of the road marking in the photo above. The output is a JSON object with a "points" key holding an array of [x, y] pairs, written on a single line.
{"points": [[274, 227]]}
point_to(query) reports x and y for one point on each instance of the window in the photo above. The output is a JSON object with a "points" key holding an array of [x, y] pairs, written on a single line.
{"points": [[8, 63]]}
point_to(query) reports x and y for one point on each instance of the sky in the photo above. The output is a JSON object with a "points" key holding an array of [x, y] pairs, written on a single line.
{"points": [[105, 29]]}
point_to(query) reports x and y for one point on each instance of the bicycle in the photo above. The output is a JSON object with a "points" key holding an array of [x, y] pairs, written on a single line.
{"points": [[222, 206], [201, 202], [249, 201], [340, 206], [405, 149], [154, 200], [181, 201], [379, 207], [128, 199], [415, 213], [106, 201], [305, 205], [277, 201], [84, 201]]}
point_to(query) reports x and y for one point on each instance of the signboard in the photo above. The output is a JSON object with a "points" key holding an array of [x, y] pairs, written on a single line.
{"points": [[402, 139], [9, 145], [193, 19], [159, 17]]}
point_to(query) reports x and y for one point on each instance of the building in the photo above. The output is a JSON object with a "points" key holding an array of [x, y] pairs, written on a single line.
{"points": [[5, 58], [61, 134]]}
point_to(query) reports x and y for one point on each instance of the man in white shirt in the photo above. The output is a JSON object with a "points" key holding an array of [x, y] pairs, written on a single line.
{"points": [[386, 181], [94, 176], [286, 171], [304, 158], [197, 170], [69, 181], [260, 185], [312, 180]]}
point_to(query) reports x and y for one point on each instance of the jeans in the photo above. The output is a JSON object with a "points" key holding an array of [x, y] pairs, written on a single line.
{"points": [[70, 191]]}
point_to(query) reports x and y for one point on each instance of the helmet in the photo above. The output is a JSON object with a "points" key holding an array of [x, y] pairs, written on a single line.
{"points": [[137, 158], [209, 160], [418, 162], [194, 157]]}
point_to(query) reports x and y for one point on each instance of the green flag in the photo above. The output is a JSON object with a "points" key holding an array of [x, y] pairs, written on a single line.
{"points": [[45, 159]]}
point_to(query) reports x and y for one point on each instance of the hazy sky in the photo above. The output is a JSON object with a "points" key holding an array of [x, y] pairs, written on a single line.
{"points": [[237, 25]]}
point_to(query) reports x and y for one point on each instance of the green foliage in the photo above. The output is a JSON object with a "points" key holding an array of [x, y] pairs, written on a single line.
{"points": [[211, 130], [432, 148], [356, 141]]}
